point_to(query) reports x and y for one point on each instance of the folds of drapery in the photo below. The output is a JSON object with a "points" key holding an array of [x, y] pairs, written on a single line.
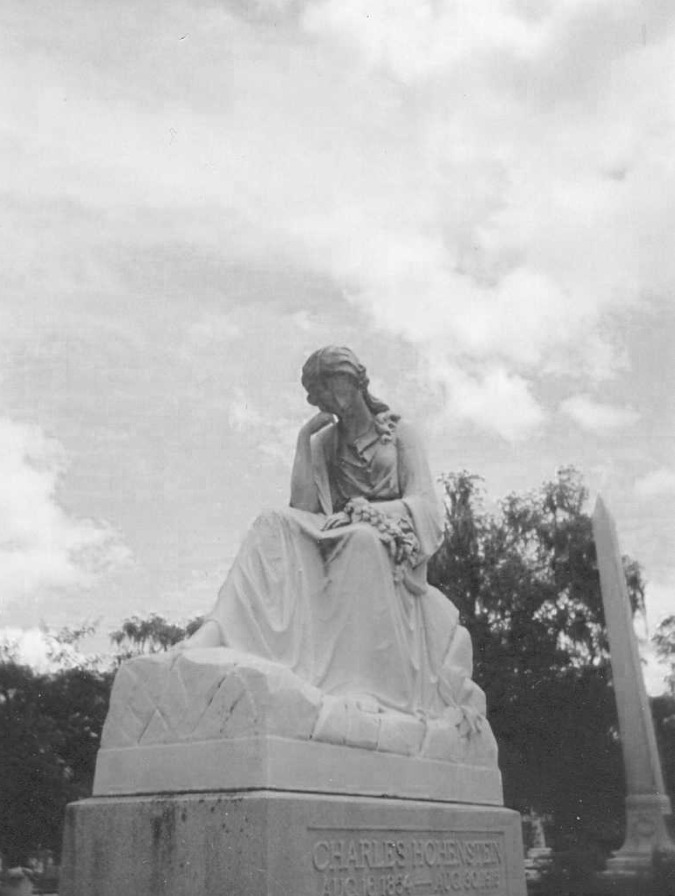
{"points": [[326, 605]]}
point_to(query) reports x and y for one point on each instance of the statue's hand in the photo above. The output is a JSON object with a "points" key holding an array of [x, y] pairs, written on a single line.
{"points": [[336, 520], [317, 422]]}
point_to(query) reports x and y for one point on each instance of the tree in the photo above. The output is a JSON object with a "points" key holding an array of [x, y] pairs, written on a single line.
{"points": [[664, 642], [50, 727], [150, 635], [663, 707], [524, 578]]}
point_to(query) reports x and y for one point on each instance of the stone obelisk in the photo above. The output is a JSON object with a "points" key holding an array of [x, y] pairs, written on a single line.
{"points": [[647, 805]]}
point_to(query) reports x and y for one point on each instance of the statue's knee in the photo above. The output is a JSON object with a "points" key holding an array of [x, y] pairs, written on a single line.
{"points": [[462, 650], [269, 519], [366, 536]]}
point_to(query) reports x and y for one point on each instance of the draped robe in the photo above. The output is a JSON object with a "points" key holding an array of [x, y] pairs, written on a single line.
{"points": [[327, 605]]}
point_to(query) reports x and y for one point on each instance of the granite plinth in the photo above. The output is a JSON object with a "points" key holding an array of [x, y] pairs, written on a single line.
{"points": [[286, 844]]}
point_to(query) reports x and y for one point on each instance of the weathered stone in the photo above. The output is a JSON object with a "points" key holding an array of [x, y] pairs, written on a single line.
{"points": [[401, 733], [206, 694], [285, 764], [220, 694], [271, 844]]}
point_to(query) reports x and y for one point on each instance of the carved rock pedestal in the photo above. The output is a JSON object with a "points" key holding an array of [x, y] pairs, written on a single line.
{"points": [[222, 774], [267, 843]]}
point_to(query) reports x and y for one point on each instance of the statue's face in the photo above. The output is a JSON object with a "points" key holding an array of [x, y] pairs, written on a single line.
{"points": [[335, 394]]}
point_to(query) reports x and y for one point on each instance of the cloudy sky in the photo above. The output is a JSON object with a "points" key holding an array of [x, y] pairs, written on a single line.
{"points": [[475, 195]]}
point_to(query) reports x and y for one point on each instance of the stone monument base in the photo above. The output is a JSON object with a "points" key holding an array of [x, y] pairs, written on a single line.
{"points": [[277, 763], [275, 843]]}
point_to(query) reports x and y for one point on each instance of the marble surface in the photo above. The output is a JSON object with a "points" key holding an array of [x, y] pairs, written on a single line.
{"points": [[283, 764], [173, 719], [326, 630]]}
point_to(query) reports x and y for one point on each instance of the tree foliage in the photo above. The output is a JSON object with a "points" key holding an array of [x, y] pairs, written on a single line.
{"points": [[524, 578], [664, 642], [50, 727], [149, 635], [663, 707]]}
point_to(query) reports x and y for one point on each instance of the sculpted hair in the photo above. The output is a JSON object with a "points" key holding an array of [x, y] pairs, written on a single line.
{"points": [[334, 359]]}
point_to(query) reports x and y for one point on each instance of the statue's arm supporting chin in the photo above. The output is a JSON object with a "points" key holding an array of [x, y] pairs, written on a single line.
{"points": [[304, 494]]}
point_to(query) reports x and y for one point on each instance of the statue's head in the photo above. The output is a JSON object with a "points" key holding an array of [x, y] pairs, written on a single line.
{"points": [[333, 361]]}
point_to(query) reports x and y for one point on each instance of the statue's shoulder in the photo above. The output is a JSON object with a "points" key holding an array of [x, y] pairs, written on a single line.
{"points": [[401, 429], [408, 438], [387, 426]]}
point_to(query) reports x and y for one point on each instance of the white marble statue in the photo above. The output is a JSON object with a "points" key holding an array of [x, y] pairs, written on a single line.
{"points": [[335, 586], [331, 594]]}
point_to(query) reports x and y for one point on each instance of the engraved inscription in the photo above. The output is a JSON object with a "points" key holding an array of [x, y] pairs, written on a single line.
{"points": [[408, 863]]}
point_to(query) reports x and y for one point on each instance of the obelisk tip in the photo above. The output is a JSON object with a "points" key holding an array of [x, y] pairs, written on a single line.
{"points": [[600, 509]]}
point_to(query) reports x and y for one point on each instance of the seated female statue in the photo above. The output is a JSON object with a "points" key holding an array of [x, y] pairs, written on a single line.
{"points": [[335, 586]]}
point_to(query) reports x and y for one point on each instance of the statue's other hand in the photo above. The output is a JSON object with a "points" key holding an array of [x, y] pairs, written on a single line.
{"points": [[336, 520], [317, 422]]}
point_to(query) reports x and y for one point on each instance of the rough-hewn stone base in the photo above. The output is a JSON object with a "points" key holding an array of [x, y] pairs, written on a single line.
{"points": [[218, 695], [266, 843]]}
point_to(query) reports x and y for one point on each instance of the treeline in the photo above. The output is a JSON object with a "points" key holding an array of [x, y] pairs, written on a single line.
{"points": [[524, 578]]}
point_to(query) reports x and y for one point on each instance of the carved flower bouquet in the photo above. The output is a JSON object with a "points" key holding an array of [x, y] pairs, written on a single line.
{"points": [[397, 534]]}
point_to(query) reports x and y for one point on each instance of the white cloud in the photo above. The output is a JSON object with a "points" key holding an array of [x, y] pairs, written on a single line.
{"points": [[213, 331], [303, 321], [421, 40], [660, 603], [27, 646], [659, 483], [272, 434], [241, 414], [596, 416], [660, 598], [492, 399], [42, 547], [654, 671], [43, 650], [489, 181]]}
